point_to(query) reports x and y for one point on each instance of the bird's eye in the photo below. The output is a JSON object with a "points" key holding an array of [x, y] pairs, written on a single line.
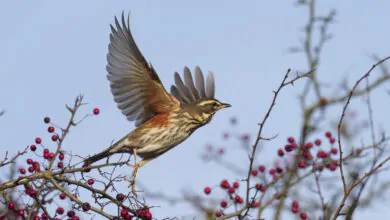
{"points": [[215, 104]]}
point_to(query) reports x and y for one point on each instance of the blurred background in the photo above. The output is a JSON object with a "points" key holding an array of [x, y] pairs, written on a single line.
{"points": [[52, 51]]}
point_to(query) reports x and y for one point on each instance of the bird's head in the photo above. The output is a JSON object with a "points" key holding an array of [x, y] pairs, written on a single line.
{"points": [[203, 110]]}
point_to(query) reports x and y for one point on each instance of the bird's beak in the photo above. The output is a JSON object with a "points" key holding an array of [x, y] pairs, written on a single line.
{"points": [[225, 105]]}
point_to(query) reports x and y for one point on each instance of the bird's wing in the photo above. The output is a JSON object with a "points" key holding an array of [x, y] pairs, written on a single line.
{"points": [[188, 92], [136, 87]]}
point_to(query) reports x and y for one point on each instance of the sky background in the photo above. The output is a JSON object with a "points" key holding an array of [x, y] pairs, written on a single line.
{"points": [[52, 51]]}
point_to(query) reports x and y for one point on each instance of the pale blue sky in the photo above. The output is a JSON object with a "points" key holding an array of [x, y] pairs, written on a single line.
{"points": [[51, 52]]}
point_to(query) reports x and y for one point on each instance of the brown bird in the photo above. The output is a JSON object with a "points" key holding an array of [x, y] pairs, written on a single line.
{"points": [[163, 120]]}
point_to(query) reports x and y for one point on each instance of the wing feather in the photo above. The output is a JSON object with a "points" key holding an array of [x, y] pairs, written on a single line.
{"points": [[210, 89], [135, 85], [189, 93], [190, 83]]}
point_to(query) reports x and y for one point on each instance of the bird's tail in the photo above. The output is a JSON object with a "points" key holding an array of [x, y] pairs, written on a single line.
{"points": [[97, 157], [113, 149]]}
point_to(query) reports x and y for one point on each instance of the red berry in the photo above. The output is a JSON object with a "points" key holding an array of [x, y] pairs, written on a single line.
{"points": [[303, 215], [295, 204], [124, 212], [38, 140], [332, 167], [46, 151], [291, 140], [32, 192], [309, 145], [302, 164], [54, 137], [207, 190], [56, 219], [70, 213], [225, 135], [33, 147], [231, 190], [323, 101], [255, 204], [36, 166], [11, 205], [36, 217], [307, 155], [96, 111], [359, 150], [294, 145], [75, 218], [120, 197], [31, 169], [328, 134], [91, 181], [21, 212], [317, 142], [332, 140], [22, 171], [86, 206], [218, 214], [44, 216], [245, 137], [62, 196], [254, 172], [60, 165], [221, 151], [279, 170], [238, 199], [260, 187], [281, 152], [334, 150], [236, 184], [61, 156], [51, 156], [29, 161], [223, 204], [262, 168], [322, 154], [288, 148], [294, 209], [128, 217], [86, 170], [225, 184], [60, 210], [272, 171], [50, 129], [46, 120]]}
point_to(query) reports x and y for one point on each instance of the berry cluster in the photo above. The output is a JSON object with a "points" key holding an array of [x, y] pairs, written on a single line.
{"points": [[45, 159], [233, 198], [296, 157]]}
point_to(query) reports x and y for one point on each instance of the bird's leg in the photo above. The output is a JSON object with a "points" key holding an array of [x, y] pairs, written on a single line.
{"points": [[135, 156], [135, 172], [135, 159]]}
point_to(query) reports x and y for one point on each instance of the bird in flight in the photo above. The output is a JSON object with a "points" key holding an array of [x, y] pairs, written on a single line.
{"points": [[162, 120]]}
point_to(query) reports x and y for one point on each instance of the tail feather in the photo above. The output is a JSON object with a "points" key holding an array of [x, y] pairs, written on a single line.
{"points": [[113, 149], [98, 157]]}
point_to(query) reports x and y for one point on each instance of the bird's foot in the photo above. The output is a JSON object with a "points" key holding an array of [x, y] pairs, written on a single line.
{"points": [[134, 177], [132, 185]]}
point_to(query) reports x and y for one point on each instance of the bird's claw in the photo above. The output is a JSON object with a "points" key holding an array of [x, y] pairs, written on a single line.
{"points": [[132, 185]]}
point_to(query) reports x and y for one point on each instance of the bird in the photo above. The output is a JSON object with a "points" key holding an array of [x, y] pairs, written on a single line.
{"points": [[162, 120]]}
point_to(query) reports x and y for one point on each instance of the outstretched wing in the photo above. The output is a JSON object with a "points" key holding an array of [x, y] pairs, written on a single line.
{"points": [[136, 87], [188, 91]]}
